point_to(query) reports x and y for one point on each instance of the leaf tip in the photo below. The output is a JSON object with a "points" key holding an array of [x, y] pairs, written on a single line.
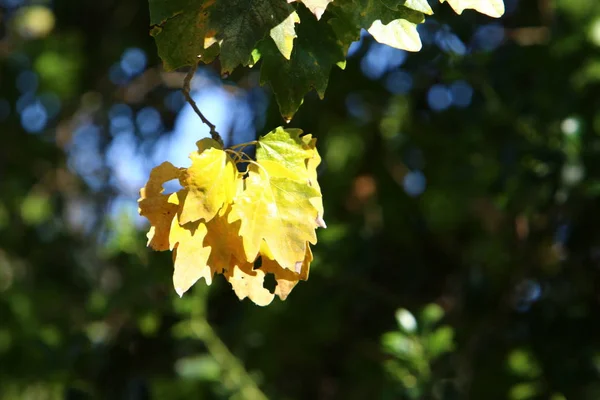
{"points": [[321, 222]]}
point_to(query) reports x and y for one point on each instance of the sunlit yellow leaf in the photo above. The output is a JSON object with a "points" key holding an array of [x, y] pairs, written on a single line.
{"points": [[156, 206], [222, 221], [248, 282], [224, 241], [493, 8], [190, 256], [210, 181], [285, 148], [287, 279], [311, 166], [278, 211]]}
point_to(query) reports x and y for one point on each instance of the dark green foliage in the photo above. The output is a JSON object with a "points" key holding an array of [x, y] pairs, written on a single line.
{"points": [[503, 239]]}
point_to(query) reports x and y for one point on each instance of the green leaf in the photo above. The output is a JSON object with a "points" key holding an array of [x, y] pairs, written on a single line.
{"points": [[316, 51], [190, 30], [238, 25], [417, 5], [439, 342], [395, 27], [317, 7], [179, 33], [284, 147]]}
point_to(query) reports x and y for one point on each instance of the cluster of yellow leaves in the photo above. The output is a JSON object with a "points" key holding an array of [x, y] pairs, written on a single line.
{"points": [[223, 221]]}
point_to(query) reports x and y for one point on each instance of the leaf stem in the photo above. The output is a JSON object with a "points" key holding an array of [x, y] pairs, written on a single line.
{"points": [[186, 93]]}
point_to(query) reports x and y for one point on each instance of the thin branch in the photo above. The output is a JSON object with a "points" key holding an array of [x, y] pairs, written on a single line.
{"points": [[186, 92]]}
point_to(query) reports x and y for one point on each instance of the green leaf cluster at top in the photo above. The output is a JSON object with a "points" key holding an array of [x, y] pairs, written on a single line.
{"points": [[298, 43]]}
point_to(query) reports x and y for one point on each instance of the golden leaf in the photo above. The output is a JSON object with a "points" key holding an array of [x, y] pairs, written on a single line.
{"points": [[287, 279], [248, 282], [190, 256], [278, 211], [156, 206], [210, 182], [222, 220]]}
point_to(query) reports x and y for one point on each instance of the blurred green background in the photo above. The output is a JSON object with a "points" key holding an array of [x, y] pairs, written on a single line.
{"points": [[461, 185]]}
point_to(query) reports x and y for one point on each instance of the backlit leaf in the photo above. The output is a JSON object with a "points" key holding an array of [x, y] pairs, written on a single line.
{"points": [[278, 211], [190, 256], [285, 278], [224, 241], [285, 148], [417, 5], [238, 25], [222, 221], [156, 206], [400, 33], [317, 7], [187, 31], [391, 23], [493, 8], [316, 51], [179, 30], [210, 181], [248, 282], [284, 34]]}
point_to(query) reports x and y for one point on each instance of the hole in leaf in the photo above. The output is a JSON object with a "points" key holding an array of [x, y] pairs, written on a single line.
{"points": [[270, 283], [172, 186], [258, 262]]}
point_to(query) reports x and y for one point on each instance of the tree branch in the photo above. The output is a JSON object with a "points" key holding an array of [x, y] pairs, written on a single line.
{"points": [[186, 93]]}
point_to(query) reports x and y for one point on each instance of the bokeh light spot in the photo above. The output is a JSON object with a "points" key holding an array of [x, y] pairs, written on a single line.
{"points": [[488, 37], [462, 93], [34, 118], [148, 121], [414, 183], [133, 61], [439, 97], [399, 82]]}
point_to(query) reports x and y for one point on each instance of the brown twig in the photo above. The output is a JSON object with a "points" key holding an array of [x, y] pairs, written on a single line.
{"points": [[186, 92]]}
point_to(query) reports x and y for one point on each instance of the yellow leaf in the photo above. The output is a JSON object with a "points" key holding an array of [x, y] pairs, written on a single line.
{"points": [[287, 279], [278, 211], [222, 220], [248, 282], [190, 256], [284, 154], [311, 166], [156, 206], [210, 181], [224, 241], [284, 148], [493, 8]]}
